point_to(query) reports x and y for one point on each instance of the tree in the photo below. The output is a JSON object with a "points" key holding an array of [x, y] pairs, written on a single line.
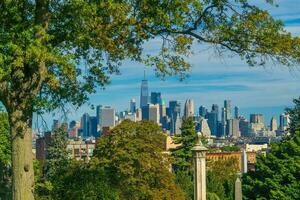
{"points": [[221, 176], [45, 43], [276, 175], [133, 156], [183, 157], [5, 157]]}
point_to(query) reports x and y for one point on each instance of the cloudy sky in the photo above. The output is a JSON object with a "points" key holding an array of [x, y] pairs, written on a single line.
{"points": [[255, 90]]}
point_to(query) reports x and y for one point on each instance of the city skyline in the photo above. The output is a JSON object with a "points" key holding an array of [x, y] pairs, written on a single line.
{"points": [[265, 90]]}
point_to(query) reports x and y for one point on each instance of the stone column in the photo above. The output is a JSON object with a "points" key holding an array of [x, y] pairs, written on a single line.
{"points": [[238, 188], [199, 152], [244, 161]]}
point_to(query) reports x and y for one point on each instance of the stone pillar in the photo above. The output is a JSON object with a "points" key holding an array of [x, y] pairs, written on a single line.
{"points": [[199, 152], [238, 188], [244, 162]]}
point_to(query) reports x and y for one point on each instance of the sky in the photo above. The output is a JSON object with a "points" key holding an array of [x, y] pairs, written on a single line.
{"points": [[267, 90]]}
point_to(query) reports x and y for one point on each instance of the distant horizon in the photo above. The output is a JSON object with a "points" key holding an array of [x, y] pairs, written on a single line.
{"points": [[212, 79]]}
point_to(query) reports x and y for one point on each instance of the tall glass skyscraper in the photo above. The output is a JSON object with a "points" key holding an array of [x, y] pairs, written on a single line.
{"points": [[144, 94], [227, 106], [156, 98]]}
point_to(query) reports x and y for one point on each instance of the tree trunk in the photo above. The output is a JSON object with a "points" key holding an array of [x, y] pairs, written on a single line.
{"points": [[22, 162]]}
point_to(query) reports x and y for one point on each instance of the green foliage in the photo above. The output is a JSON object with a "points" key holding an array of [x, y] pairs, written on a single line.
{"points": [[221, 176], [183, 155], [133, 156], [294, 114], [276, 175], [230, 148], [57, 155], [5, 157], [60, 51]]}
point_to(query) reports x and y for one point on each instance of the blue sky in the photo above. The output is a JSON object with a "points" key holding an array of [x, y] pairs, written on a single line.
{"points": [[254, 89]]}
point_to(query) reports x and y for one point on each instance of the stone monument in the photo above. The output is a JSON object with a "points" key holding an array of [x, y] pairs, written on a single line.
{"points": [[199, 153]]}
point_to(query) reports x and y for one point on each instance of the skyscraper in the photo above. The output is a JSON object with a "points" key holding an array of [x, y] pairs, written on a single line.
{"points": [[154, 113], [227, 106], [107, 117], [215, 109], [233, 128], [132, 106], [93, 126], [98, 113], [174, 108], [256, 118], [155, 98], [284, 121], [236, 112], [189, 108], [202, 111], [85, 125], [273, 124], [144, 93], [212, 120], [204, 128]]}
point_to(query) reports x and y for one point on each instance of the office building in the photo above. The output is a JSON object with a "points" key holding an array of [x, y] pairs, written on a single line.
{"points": [[227, 106], [174, 109], [204, 128], [144, 97], [215, 109], [202, 111], [212, 120], [256, 118], [284, 122], [93, 126], [107, 117], [132, 106], [85, 125], [273, 124], [244, 126], [189, 108], [156, 98], [236, 112], [154, 113], [233, 129]]}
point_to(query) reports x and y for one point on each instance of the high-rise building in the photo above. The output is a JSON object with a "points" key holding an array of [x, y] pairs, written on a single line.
{"points": [[244, 126], [284, 122], [236, 112], [204, 128], [273, 124], [155, 98], [132, 106], [107, 117], [227, 106], [144, 93], [256, 118], [215, 108], [138, 114], [212, 120], [174, 109], [202, 111], [98, 113], [189, 108], [175, 124], [93, 126], [162, 110], [233, 129], [85, 125], [154, 113]]}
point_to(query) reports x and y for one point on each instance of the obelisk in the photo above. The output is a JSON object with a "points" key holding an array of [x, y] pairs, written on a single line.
{"points": [[199, 153]]}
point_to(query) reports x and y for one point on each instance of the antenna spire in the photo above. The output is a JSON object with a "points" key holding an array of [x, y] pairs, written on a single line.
{"points": [[144, 74]]}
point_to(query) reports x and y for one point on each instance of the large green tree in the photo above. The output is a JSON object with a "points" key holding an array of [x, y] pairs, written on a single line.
{"points": [[56, 52], [133, 156], [277, 175], [5, 157]]}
